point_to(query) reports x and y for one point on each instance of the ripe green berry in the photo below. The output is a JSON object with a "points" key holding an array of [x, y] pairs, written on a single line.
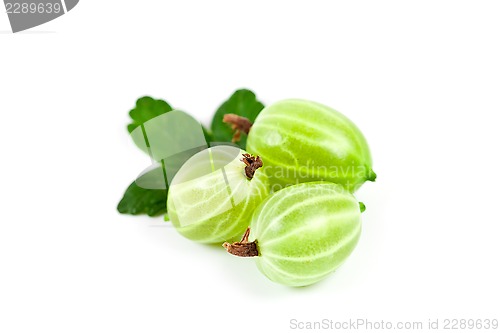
{"points": [[302, 233], [213, 195], [303, 141]]}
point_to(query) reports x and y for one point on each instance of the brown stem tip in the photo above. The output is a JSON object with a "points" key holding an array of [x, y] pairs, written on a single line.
{"points": [[238, 124], [252, 164], [243, 248]]}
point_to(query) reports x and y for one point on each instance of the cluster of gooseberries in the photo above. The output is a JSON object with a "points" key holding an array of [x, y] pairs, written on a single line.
{"points": [[289, 193]]}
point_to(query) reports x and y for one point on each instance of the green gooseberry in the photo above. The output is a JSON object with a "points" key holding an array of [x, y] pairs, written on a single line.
{"points": [[212, 196], [301, 234], [303, 141]]}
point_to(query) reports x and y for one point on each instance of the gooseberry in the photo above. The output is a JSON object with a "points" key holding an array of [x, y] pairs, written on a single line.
{"points": [[303, 141], [302, 233], [212, 196]]}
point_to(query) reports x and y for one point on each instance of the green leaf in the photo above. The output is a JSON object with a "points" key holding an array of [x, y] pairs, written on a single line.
{"points": [[208, 136], [138, 200], [146, 108], [243, 103]]}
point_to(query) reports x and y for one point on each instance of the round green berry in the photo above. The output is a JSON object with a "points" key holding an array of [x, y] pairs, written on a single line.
{"points": [[302, 233], [213, 195], [303, 141]]}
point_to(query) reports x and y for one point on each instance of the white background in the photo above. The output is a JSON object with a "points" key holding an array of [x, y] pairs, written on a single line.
{"points": [[420, 78]]}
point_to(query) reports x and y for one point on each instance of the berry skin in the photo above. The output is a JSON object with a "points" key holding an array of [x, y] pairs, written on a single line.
{"points": [[301, 234]]}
